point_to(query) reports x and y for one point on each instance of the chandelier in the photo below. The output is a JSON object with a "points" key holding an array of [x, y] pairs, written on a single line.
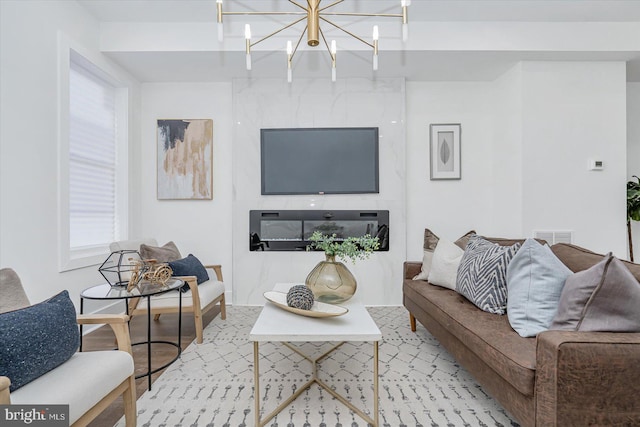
{"points": [[313, 13]]}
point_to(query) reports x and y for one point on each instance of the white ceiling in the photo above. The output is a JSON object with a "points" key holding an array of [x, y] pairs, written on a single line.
{"points": [[224, 63]]}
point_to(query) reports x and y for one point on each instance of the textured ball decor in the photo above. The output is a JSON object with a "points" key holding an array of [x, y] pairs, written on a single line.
{"points": [[300, 296]]}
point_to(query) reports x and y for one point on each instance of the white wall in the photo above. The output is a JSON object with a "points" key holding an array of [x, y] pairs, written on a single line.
{"points": [[200, 227], [633, 151], [449, 208], [573, 112], [28, 140], [526, 140], [318, 103]]}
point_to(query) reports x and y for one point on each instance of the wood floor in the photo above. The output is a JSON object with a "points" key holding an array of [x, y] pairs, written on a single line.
{"points": [[165, 329]]}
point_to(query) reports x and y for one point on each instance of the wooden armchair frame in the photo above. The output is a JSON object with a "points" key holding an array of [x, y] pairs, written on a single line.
{"points": [[119, 324], [195, 308]]}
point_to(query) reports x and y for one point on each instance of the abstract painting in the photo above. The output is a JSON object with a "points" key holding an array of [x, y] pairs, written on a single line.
{"points": [[444, 145], [185, 159]]}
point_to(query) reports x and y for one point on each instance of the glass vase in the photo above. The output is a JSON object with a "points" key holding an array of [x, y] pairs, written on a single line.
{"points": [[331, 281]]}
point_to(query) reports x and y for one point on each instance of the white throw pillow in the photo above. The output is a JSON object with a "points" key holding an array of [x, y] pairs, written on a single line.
{"points": [[444, 266], [427, 260]]}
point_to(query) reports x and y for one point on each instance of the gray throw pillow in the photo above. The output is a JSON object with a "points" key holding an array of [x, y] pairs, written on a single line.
{"points": [[482, 274], [168, 252], [604, 298], [37, 339], [535, 278]]}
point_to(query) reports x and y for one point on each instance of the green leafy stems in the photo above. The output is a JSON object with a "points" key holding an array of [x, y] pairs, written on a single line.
{"points": [[633, 199], [351, 248]]}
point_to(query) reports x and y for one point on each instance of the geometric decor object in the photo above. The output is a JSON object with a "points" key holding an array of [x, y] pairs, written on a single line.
{"points": [[444, 145], [119, 266], [184, 162]]}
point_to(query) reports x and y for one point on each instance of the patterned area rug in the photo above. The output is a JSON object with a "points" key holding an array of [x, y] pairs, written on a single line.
{"points": [[420, 383]]}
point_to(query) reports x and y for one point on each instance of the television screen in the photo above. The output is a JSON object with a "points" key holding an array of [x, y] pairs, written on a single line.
{"points": [[319, 160]]}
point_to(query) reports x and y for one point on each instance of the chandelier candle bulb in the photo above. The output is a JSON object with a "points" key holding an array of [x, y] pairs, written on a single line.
{"points": [[376, 36], [333, 60], [220, 31]]}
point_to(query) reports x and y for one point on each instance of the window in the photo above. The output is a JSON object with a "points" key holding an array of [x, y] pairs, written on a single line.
{"points": [[92, 159], [92, 165]]}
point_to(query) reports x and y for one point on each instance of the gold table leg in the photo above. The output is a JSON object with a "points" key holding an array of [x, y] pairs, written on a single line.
{"points": [[260, 423]]}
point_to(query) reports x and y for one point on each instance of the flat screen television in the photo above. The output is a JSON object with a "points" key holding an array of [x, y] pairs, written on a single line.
{"points": [[319, 160]]}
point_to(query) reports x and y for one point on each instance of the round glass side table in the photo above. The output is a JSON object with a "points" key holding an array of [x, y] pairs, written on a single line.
{"points": [[142, 290]]}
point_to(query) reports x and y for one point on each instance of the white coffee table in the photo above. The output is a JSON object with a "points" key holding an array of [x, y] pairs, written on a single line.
{"points": [[276, 324]]}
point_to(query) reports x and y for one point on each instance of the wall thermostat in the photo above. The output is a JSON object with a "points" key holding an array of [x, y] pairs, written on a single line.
{"points": [[596, 165]]}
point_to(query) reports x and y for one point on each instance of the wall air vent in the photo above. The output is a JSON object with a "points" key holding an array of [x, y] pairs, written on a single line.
{"points": [[554, 236]]}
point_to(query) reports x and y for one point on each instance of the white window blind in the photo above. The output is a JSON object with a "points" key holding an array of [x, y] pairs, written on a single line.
{"points": [[92, 159]]}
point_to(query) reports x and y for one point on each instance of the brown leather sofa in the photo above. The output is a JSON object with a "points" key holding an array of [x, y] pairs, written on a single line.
{"points": [[559, 378]]}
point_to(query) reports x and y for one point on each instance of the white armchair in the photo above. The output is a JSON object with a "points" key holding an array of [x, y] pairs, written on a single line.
{"points": [[197, 300], [89, 381]]}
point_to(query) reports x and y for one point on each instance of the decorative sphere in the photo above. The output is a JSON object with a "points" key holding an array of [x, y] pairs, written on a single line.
{"points": [[300, 296]]}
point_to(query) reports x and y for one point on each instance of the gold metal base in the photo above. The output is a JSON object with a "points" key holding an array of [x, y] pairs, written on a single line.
{"points": [[314, 379]]}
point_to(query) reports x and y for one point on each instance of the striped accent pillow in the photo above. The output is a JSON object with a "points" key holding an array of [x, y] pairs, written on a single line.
{"points": [[482, 274]]}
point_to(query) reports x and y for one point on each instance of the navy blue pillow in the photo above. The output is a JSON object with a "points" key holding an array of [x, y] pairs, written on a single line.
{"points": [[189, 266], [37, 339]]}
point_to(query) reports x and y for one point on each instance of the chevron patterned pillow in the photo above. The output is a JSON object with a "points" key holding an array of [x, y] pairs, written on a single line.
{"points": [[482, 274]]}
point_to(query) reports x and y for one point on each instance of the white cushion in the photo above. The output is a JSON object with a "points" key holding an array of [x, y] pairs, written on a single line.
{"points": [[427, 260], [444, 266], [208, 291], [80, 382], [132, 245]]}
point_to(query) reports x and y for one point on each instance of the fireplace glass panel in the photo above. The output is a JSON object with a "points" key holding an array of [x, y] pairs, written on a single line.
{"points": [[342, 229], [286, 231]]}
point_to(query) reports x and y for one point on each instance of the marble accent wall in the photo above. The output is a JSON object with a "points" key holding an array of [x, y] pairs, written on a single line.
{"points": [[318, 103]]}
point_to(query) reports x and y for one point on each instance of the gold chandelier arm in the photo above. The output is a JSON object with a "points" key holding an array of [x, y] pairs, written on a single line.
{"points": [[277, 31], [333, 57], [331, 5], [298, 44], [348, 32], [264, 13], [299, 5], [379, 15]]}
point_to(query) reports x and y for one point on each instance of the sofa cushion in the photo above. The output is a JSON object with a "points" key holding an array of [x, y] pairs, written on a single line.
{"points": [[482, 275], [78, 382], [444, 267], [578, 259], [168, 252], [603, 298], [535, 278], [189, 266], [37, 339], [489, 336], [429, 245], [207, 291]]}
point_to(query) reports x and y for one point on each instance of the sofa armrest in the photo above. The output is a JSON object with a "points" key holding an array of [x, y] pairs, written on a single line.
{"points": [[217, 268], [118, 322], [411, 269], [5, 399], [587, 378]]}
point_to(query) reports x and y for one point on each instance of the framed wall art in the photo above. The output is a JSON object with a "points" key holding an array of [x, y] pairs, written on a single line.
{"points": [[444, 146], [185, 159]]}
